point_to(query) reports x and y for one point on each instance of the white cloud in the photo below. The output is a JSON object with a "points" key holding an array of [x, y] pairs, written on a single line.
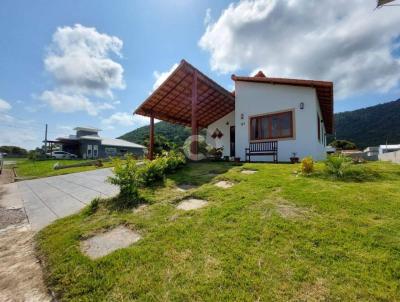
{"points": [[4, 108], [207, 18], [162, 76], [4, 105], [79, 59], [344, 41], [25, 138], [125, 119]]}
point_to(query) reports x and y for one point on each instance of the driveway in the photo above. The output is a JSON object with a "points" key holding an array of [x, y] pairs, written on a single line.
{"points": [[47, 199], [28, 206]]}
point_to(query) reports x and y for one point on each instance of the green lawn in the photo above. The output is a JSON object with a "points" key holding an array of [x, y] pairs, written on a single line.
{"points": [[271, 237], [42, 168]]}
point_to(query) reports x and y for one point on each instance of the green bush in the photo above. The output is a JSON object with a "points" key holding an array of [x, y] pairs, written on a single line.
{"points": [[307, 165], [174, 160], [343, 144], [156, 169], [128, 179], [93, 206], [338, 165], [130, 175]]}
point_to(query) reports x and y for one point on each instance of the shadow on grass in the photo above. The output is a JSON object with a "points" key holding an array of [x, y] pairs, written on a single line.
{"points": [[199, 173], [356, 173], [195, 173]]}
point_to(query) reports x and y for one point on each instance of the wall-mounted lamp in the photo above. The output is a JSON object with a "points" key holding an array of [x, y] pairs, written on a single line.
{"points": [[301, 105], [241, 116]]}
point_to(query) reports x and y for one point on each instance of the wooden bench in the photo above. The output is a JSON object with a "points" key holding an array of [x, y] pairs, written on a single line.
{"points": [[263, 148]]}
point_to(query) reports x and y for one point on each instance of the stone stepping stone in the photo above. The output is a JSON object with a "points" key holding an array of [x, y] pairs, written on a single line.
{"points": [[249, 171], [224, 184], [185, 187], [105, 243], [191, 204]]}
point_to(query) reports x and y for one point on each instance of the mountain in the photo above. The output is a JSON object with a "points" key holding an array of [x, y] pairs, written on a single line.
{"points": [[175, 133], [370, 126]]}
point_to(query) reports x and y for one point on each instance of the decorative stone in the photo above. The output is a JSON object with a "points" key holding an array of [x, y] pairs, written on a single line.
{"points": [[249, 171], [105, 243], [185, 187], [224, 184], [191, 204]]}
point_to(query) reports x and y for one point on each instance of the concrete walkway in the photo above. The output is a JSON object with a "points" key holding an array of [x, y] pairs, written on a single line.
{"points": [[47, 199]]}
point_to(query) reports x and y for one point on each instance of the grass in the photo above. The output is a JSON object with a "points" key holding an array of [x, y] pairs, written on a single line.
{"points": [[42, 168], [274, 236]]}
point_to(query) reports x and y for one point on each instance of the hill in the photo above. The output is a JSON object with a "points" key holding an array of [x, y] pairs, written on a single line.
{"points": [[370, 126], [175, 133]]}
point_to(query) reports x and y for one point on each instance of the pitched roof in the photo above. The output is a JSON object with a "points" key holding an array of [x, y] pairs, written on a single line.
{"points": [[171, 101], [120, 143], [104, 141], [323, 89], [87, 129]]}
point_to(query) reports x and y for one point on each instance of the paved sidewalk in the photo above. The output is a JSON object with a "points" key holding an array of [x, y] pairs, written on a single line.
{"points": [[50, 198]]}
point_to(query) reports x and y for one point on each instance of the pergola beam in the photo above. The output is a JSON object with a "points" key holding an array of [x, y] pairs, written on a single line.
{"points": [[151, 143], [194, 142]]}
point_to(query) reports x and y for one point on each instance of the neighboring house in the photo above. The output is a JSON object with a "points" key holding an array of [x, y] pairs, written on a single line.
{"points": [[87, 143], [388, 148], [371, 153], [296, 113]]}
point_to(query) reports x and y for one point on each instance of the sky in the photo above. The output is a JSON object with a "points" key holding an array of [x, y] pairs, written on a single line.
{"points": [[91, 63]]}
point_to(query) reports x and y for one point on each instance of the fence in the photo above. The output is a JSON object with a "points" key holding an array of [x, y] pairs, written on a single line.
{"points": [[394, 157]]}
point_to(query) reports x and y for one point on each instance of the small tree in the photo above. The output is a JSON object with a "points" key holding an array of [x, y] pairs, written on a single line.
{"points": [[343, 144]]}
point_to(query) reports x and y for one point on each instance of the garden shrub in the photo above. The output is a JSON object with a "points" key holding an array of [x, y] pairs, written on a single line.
{"points": [[130, 175], [307, 165], [127, 178], [156, 169], [174, 160], [93, 206], [338, 165]]}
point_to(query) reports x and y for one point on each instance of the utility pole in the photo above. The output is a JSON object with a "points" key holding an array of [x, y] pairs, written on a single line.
{"points": [[45, 140]]}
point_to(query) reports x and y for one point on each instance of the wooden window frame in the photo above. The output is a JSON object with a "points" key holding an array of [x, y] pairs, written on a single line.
{"points": [[291, 136]]}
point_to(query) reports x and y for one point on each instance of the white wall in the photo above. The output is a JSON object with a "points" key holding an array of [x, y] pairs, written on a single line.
{"points": [[259, 98], [221, 124], [394, 157]]}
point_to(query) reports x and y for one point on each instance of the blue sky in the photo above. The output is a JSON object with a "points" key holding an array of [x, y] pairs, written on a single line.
{"points": [[144, 39]]}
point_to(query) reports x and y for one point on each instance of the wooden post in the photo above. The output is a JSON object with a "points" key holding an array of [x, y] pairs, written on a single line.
{"points": [[151, 143], [194, 144]]}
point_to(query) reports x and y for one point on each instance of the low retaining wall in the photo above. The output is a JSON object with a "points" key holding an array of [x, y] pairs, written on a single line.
{"points": [[97, 162], [394, 157]]}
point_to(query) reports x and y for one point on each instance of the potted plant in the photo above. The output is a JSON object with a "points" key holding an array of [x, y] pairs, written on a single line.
{"points": [[216, 153], [294, 159]]}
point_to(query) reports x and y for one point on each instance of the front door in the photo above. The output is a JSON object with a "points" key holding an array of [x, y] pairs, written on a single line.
{"points": [[232, 140]]}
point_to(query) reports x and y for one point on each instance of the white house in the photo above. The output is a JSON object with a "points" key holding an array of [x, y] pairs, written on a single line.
{"points": [[296, 114], [388, 148]]}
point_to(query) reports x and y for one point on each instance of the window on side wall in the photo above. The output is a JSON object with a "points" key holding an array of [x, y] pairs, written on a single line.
{"points": [[272, 126], [319, 127]]}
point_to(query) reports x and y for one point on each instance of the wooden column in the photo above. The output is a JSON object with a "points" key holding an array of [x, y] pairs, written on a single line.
{"points": [[194, 144], [151, 143]]}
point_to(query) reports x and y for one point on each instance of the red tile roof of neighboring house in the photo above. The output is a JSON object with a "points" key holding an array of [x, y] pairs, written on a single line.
{"points": [[323, 89]]}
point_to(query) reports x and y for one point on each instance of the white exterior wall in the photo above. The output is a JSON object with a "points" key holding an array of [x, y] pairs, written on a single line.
{"points": [[221, 124], [260, 98]]}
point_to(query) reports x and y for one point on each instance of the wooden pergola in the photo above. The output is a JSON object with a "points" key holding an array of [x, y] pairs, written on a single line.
{"points": [[189, 98]]}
